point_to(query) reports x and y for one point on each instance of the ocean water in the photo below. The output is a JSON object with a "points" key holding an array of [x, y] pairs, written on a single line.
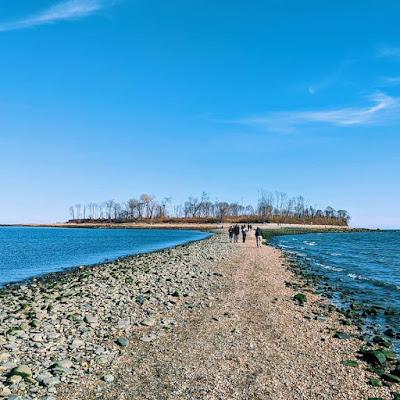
{"points": [[357, 267], [30, 252]]}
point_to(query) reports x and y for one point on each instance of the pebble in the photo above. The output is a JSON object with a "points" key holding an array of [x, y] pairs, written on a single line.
{"points": [[73, 317], [148, 338], [108, 378], [122, 341]]}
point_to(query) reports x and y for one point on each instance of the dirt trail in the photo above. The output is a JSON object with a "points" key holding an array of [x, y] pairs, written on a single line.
{"points": [[252, 342]]}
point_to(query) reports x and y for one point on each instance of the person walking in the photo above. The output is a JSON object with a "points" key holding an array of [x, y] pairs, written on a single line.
{"points": [[236, 232], [244, 233], [230, 232], [258, 237]]}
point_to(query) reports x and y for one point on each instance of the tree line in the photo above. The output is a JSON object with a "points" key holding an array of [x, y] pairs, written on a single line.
{"points": [[271, 207]]}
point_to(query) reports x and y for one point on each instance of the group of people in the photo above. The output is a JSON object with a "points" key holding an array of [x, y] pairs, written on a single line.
{"points": [[234, 232]]}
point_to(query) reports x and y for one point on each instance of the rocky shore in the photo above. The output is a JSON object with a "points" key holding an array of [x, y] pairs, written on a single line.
{"points": [[208, 320], [61, 328]]}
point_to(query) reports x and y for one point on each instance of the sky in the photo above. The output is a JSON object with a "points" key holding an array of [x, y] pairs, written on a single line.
{"points": [[106, 99]]}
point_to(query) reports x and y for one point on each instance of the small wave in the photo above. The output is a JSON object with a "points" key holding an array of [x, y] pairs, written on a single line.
{"points": [[329, 267], [358, 277], [310, 243], [335, 254]]}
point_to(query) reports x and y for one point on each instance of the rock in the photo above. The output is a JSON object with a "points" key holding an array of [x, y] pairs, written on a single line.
{"points": [[23, 371], [103, 359], [61, 367], [342, 335], [38, 338], [77, 343], [14, 379], [62, 364], [390, 378], [124, 323], [91, 319], [151, 321], [108, 378], [301, 298], [390, 332], [375, 382], [4, 356], [4, 391], [390, 355], [50, 381], [381, 341], [122, 341], [375, 357], [148, 338], [350, 363], [35, 323]]}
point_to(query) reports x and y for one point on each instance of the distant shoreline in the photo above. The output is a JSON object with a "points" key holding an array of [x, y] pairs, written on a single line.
{"points": [[166, 225]]}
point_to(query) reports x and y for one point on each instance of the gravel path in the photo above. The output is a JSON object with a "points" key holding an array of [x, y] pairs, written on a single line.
{"points": [[242, 337]]}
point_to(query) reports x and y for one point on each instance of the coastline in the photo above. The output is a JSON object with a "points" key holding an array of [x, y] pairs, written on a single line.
{"points": [[48, 277], [229, 307]]}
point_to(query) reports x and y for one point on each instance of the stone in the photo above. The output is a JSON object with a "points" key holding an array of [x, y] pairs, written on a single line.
{"points": [[101, 359], [342, 335], [63, 364], [91, 319], [108, 378], [4, 356], [14, 379], [375, 382], [37, 338], [381, 341], [4, 391], [301, 298], [123, 323], [148, 338], [390, 378], [77, 343], [151, 321], [23, 371], [50, 381], [350, 363], [122, 341], [375, 357]]}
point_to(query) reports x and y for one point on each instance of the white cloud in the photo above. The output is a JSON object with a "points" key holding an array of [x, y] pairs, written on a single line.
{"points": [[62, 11], [388, 51], [384, 108]]}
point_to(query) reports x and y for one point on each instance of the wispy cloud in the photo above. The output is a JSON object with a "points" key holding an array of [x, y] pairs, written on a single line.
{"points": [[331, 78], [388, 51], [62, 11], [388, 80], [383, 108]]}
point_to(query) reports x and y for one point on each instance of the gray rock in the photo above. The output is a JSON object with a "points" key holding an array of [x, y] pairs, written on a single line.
{"points": [[122, 341], [124, 323], [23, 371], [108, 378], [148, 338], [151, 321]]}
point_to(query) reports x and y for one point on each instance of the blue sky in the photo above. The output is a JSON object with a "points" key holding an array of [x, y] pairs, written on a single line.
{"points": [[107, 99]]}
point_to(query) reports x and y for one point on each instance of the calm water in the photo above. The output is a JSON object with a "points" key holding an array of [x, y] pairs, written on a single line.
{"points": [[29, 252], [359, 267]]}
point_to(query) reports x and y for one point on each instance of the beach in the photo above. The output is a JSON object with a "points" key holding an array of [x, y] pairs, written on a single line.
{"points": [[207, 320]]}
